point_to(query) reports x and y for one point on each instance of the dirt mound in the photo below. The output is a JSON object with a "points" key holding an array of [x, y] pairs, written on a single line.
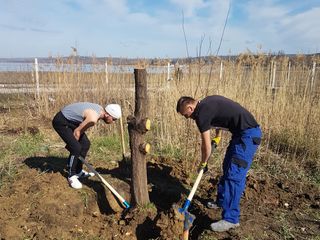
{"points": [[171, 223], [42, 205], [39, 204]]}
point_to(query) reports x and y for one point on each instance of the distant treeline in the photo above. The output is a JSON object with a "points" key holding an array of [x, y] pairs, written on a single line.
{"points": [[161, 61]]}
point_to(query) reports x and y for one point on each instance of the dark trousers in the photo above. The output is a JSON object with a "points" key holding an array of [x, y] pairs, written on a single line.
{"points": [[236, 164], [65, 129]]}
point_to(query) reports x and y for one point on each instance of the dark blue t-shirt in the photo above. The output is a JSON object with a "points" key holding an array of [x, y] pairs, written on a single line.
{"points": [[220, 112]]}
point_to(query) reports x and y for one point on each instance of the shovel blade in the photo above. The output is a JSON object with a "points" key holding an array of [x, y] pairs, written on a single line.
{"points": [[188, 220]]}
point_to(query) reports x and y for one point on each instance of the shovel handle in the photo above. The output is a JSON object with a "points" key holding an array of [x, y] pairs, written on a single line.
{"points": [[122, 137], [191, 194], [195, 185], [185, 235]]}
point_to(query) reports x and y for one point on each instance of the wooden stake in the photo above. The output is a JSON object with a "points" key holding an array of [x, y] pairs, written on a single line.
{"points": [[122, 138]]}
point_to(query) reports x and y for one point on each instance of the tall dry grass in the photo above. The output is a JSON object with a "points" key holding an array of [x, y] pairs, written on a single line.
{"points": [[289, 113]]}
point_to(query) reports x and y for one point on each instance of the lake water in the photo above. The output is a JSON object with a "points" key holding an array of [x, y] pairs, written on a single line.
{"points": [[52, 67]]}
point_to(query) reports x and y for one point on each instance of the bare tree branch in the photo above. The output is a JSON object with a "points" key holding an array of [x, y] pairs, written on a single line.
{"points": [[184, 34], [224, 27]]}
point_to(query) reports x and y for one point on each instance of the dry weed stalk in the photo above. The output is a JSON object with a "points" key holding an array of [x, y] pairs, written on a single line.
{"points": [[289, 113]]}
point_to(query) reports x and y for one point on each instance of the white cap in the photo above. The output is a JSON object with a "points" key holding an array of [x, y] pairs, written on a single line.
{"points": [[114, 110]]}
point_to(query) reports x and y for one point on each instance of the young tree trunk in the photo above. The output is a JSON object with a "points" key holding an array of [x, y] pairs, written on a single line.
{"points": [[136, 128]]}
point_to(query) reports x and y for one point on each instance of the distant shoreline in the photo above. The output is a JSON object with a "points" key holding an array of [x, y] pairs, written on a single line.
{"points": [[130, 61]]}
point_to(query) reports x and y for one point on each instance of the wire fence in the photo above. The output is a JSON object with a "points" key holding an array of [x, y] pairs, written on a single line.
{"points": [[283, 94], [43, 76]]}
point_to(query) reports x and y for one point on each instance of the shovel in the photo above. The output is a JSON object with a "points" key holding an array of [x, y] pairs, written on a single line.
{"points": [[125, 155], [188, 217], [121, 199]]}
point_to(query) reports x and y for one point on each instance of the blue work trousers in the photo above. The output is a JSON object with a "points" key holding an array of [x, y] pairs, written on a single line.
{"points": [[237, 161]]}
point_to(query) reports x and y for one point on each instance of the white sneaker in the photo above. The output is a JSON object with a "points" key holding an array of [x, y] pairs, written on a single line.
{"points": [[74, 182], [84, 174], [223, 225]]}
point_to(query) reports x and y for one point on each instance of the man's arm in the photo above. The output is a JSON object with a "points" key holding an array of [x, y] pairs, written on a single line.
{"points": [[205, 146], [90, 119]]}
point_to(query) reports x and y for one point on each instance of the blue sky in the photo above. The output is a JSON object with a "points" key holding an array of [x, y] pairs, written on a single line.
{"points": [[154, 28]]}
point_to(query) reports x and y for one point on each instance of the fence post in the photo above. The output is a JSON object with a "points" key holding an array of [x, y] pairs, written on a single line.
{"points": [[289, 69], [313, 74], [36, 68], [274, 75], [168, 72], [270, 74], [106, 71], [221, 69]]}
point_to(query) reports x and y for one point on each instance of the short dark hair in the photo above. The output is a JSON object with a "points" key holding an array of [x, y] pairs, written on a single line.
{"points": [[183, 101]]}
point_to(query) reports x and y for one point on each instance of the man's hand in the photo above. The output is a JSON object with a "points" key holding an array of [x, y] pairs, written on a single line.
{"points": [[203, 166], [76, 134], [215, 141]]}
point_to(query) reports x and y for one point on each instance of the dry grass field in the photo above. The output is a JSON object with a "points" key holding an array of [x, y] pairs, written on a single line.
{"points": [[282, 200]]}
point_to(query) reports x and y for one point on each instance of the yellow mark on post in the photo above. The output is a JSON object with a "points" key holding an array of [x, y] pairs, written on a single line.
{"points": [[148, 124]]}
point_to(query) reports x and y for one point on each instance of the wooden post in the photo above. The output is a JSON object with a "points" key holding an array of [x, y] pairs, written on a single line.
{"points": [[221, 70], [289, 69], [36, 69], [273, 86], [313, 74], [106, 71], [274, 76], [270, 74], [169, 78], [137, 128]]}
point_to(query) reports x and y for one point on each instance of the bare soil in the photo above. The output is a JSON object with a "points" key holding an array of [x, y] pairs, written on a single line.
{"points": [[39, 204]]}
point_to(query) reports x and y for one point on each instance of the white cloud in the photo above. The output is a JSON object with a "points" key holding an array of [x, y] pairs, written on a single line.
{"points": [[189, 6], [278, 27], [105, 27], [117, 6], [265, 10], [303, 24], [302, 30]]}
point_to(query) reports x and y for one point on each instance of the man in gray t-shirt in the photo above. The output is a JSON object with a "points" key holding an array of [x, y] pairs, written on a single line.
{"points": [[71, 123]]}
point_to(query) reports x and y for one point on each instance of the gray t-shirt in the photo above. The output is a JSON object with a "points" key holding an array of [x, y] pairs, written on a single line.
{"points": [[74, 111]]}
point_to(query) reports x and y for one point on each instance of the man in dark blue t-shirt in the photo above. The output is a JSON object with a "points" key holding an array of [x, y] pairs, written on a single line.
{"points": [[224, 114]]}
